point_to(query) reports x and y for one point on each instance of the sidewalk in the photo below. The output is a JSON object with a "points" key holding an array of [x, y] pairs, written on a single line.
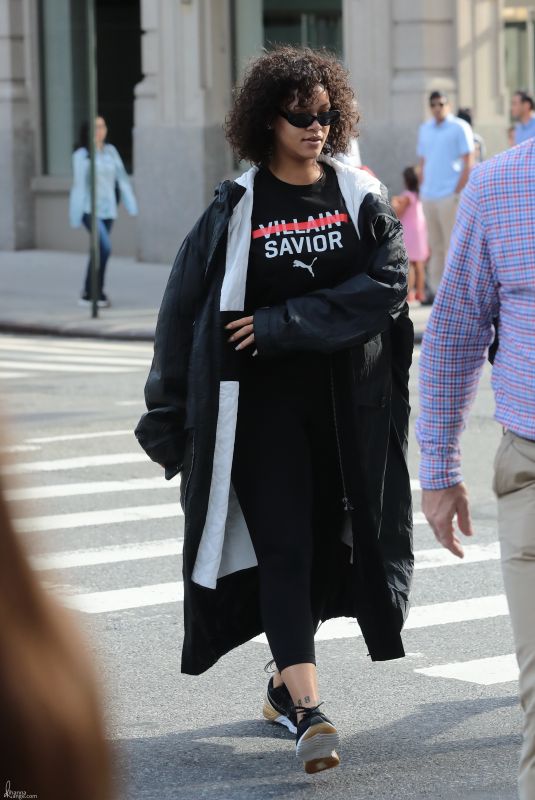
{"points": [[40, 289]]}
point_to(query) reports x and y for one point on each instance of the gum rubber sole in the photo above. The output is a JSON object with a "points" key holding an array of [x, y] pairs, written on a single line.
{"points": [[320, 764], [317, 748]]}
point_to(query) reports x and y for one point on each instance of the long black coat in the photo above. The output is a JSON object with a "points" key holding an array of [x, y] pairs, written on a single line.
{"points": [[363, 325]]}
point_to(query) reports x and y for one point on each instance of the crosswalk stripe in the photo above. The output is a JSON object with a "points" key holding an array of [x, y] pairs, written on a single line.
{"points": [[483, 671], [415, 485], [139, 402], [8, 342], [7, 376], [121, 599], [90, 487], [87, 519], [78, 462], [439, 557], [19, 359], [39, 366], [19, 448], [19, 350], [73, 437], [467, 610], [109, 554]]}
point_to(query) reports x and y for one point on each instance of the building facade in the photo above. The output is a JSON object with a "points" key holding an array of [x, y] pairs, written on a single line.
{"points": [[166, 71]]}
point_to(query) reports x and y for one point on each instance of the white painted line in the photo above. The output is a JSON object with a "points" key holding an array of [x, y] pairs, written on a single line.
{"points": [[120, 599], [9, 342], [439, 557], [415, 485], [19, 448], [17, 349], [468, 610], [88, 519], [79, 462], [418, 518], [139, 402], [483, 671], [109, 554], [91, 487], [18, 359], [7, 376], [39, 366], [72, 437]]}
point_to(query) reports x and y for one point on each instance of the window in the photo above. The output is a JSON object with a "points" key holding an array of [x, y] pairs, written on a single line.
{"points": [[316, 24], [263, 23]]}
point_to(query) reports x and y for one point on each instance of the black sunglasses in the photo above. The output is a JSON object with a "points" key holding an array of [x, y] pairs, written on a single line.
{"points": [[305, 120], [440, 103]]}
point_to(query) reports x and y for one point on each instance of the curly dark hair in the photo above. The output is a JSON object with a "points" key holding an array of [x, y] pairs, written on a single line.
{"points": [[270, 83]]}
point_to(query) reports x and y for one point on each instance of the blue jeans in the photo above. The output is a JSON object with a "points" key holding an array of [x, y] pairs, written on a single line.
{"points": [[104, 228]]}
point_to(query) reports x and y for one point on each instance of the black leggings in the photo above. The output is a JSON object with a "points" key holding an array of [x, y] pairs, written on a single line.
{"points": [[286, 475]]}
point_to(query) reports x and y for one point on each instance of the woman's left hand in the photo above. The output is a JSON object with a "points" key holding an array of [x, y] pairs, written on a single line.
{"points": [[241, 327]]}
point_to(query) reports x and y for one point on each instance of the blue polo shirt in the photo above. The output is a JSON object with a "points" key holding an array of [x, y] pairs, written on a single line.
{"points": [[523, 132], [442, 145]]}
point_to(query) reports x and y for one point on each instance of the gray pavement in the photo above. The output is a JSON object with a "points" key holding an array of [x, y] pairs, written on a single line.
{"points": [[40, 290], [406, 735]]}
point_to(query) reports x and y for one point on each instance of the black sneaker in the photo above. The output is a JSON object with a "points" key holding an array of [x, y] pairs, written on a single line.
{"points": [[278, 706], [316, 740]]}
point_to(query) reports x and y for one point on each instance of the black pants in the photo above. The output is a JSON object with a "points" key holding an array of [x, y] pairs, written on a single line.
{"points": [[104, 229], [286, 475]]}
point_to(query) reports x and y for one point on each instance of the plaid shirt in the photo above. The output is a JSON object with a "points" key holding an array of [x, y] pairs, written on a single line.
{"points": [[490, 271]]}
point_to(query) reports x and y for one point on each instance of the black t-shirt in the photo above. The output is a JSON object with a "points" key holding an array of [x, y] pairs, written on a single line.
{"points": [[302, 239]]}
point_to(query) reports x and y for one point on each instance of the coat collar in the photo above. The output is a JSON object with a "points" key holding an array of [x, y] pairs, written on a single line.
{"points": [[354, 184]]}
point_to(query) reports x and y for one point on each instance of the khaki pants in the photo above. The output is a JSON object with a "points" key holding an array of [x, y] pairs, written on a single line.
{"points": [[514, 485], [440, 218]]}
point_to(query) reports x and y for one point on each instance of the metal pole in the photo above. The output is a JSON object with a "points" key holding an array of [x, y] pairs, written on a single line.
{"points": [[92, 107]]}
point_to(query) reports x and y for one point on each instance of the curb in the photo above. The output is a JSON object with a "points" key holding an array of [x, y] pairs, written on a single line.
{"points": [[42, 329]]}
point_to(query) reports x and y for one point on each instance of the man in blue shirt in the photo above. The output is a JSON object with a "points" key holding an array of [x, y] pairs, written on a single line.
{"points": [[446, 152], [522, 106]]}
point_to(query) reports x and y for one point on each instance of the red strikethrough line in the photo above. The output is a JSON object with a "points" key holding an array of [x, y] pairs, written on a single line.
{"points": [[286, 227]]}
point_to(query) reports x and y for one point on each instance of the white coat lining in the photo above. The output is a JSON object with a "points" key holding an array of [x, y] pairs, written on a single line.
{"points": [[225, 544]]}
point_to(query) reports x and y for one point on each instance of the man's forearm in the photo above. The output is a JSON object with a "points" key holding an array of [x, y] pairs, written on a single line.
{"points": [[463, 180], [465, 174]]}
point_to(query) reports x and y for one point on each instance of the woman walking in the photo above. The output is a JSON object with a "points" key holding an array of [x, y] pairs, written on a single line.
{"points": [[111, 175], [278, 390]]}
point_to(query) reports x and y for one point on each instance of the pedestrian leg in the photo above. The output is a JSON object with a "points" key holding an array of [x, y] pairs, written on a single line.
{"points": [[435, 266], [105, 226], [514, 484], [447, 211]]}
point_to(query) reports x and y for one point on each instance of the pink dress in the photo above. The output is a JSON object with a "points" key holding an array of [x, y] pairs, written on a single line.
{"points": [[414, 228]]}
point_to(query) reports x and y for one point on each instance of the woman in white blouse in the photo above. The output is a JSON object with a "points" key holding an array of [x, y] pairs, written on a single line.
{"points": [[111, 175]]}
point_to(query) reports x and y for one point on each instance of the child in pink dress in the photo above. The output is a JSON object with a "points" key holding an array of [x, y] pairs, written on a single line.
{"points": [[408, 207]]}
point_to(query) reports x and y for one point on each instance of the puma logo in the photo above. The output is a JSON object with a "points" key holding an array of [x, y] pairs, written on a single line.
{"points": [[298, 263]]}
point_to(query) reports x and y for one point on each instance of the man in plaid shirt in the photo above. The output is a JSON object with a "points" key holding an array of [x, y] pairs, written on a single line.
{"points": [[489, 283]]}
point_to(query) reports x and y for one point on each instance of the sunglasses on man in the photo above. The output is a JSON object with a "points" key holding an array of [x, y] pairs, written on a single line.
{"points": [[305, 120], [440, 103]]}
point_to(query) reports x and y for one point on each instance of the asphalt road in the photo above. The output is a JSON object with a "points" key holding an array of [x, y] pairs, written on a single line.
{"points": [[104, 531]]}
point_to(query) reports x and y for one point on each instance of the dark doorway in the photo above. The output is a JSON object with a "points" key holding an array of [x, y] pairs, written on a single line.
{"points": [[119, 69]]}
